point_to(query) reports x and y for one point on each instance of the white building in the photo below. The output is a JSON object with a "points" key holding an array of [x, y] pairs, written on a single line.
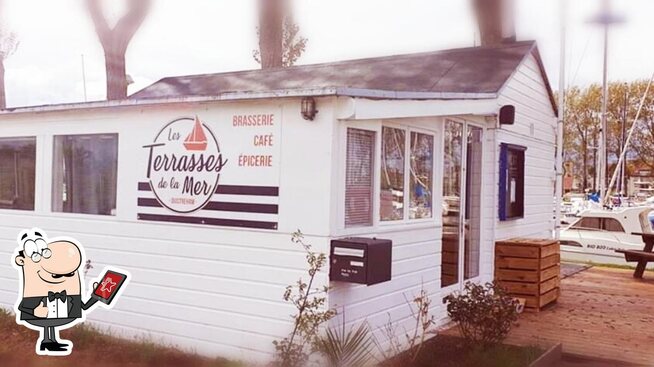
{"points": [[406, 148]]}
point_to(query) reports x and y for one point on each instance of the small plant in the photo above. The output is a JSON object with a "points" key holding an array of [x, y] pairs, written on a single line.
{"points": [[484, 313], [346, 349], [415, 339], [309, 301], [424, 321]]}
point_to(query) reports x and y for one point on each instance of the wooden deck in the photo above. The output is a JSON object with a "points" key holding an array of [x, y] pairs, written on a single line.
{"points": [[602, 313]]}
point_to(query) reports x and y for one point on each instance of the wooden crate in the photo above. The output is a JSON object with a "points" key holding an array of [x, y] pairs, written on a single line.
{"points": [[529, 269]]}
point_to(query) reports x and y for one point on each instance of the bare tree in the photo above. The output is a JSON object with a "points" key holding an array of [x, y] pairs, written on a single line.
{"points": [[496, 21], [280, 43], [8, 44], [116, 40]]}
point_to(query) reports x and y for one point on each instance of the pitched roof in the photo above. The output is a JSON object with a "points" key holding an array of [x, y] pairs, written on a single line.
{"points": [[476, 72]]}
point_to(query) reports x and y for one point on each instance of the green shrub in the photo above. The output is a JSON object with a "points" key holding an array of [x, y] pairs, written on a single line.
{"points": [[485, 314]]}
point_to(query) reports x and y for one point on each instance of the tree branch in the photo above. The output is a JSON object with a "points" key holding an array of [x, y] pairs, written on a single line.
{"points": [[100, 22]]}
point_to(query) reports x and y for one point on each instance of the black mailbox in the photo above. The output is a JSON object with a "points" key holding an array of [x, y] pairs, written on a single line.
{"points": [[361, 260]]}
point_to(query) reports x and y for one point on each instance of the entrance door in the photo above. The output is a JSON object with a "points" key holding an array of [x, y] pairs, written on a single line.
{"points": [[462, 182]]}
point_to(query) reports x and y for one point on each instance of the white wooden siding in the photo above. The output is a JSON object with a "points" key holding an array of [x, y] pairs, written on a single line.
{"points": [[535, 128], [214, 290]]}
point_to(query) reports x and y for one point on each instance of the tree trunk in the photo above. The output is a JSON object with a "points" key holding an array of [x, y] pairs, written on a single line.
{"points": [[116, 40], [271, 33], [3, 96], [116, 73], [495, 20]]}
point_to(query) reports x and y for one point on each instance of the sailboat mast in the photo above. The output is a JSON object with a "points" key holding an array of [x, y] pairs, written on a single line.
{"points": [[559, 125], [606, 19], [605, 102]]}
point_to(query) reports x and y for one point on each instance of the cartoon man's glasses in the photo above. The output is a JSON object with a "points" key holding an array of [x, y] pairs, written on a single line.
{"points": [[45, 254], [37, 249]]}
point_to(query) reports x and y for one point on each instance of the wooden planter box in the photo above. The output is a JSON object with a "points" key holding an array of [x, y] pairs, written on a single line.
{"points": [[529, 269]]}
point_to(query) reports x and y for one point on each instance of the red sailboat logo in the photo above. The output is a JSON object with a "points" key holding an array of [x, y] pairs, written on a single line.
{"points": [[196, 140]]}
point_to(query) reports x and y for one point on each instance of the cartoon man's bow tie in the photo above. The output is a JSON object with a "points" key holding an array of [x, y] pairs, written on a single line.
{"points": [[52, 296]]}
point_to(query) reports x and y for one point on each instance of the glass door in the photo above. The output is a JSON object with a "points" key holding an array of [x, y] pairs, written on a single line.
{"points": [[472, 223], [462, 182]]}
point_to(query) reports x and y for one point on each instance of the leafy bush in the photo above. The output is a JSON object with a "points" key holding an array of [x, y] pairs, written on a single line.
{"points": [[485, 314]]}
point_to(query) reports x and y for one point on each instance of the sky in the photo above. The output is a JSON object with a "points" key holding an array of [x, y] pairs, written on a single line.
{"points": [[182, 37]]}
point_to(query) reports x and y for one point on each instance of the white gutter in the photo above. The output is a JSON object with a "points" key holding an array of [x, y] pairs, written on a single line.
{"points": [[242, 96]]}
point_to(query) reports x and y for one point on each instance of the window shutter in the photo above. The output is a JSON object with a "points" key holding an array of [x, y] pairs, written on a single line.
{"points": [[359, 177]]}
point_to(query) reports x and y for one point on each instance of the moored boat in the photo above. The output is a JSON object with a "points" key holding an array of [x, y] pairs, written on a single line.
{"points": [[597, 233]]}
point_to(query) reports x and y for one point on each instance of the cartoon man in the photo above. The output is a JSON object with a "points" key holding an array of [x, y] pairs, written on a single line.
{"points": [[52, 288]]}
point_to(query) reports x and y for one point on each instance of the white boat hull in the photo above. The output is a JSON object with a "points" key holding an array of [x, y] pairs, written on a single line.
{"points": [[580, 255]]}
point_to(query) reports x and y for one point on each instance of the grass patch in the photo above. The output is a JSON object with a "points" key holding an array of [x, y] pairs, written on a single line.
{"points": [[95, 348]]}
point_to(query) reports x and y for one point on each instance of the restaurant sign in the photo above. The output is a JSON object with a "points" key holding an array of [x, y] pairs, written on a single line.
{"points": [[222, 174], [184, 164]]}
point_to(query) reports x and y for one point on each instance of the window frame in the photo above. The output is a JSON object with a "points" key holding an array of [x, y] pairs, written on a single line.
{"points": [[36, 193], [407, 176], [505, 212]]}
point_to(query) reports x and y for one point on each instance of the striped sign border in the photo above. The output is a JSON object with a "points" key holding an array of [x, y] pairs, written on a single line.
{"points": [[269, 191]]}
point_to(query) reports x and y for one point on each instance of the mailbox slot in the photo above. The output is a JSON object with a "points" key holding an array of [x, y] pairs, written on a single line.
{"points": [[360, 260]]}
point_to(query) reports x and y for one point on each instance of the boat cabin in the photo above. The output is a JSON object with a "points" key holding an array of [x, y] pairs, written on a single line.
{"points": [[196, 183]]}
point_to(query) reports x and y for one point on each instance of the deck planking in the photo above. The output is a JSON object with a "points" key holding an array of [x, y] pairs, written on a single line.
{"points": [[602, 313]]}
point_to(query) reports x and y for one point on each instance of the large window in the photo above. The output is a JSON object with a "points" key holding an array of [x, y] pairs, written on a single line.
{"points": [[84, 174], [398, 156], [512, 182], [359, 177], [392, 174], [17, 173]]}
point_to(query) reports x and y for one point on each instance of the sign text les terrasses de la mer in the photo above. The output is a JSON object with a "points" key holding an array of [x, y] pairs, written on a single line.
{"points": [[215, 174]]}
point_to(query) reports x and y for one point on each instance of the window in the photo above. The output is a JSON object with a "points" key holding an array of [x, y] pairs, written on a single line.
{"points": [[392, 174], [512, 182], [596, 224], [588, 223], [612, 225], [84, 174], [359, 173], [17, 173], [422, 173]]}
